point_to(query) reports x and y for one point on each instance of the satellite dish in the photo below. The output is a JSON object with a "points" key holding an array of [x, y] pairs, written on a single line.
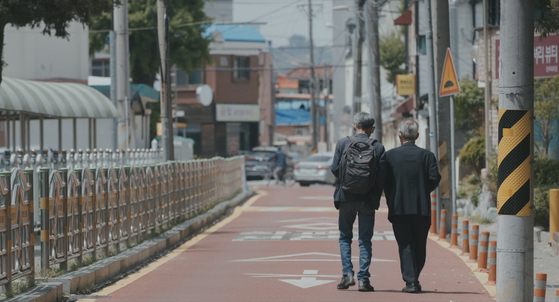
{"points": [[204, 94]]}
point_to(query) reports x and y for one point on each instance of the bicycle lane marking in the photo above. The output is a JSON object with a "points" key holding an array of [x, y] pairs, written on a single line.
{"points": [[174, 253]]}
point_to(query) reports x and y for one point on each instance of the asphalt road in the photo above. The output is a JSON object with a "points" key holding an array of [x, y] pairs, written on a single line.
{"points": [[282, 245]]}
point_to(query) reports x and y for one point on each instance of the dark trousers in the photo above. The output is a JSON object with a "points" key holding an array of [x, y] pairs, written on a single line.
{"points": [[349, 210], [411, 233]]}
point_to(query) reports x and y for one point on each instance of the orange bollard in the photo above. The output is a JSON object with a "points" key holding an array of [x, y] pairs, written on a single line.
{"points": [[454, 233], [557, 295], [482, 257], [474, 243], [465, 239], [539, 287], [492, 278], [433, 229], [442, 226]]}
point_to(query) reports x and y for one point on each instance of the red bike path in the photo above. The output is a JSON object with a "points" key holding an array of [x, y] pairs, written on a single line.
{"points": [[282, 245]]}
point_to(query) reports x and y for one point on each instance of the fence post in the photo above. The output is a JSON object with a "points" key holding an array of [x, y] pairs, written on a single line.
{"points": [[465, 239], [94, 205], [64, 176], [45, 218], [6, 179], [442, 226], [127, 202], [31, 216], [553, 212], [79, 176], [539, 287], [474, 243]]}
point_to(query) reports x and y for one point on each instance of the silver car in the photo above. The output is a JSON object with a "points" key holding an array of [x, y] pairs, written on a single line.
{"points": [[315, 169]]}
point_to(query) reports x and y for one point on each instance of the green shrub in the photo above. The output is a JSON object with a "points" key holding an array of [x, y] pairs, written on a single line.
{"points": [[541, 205], [473, 154], [546, 172], [475, 196]]}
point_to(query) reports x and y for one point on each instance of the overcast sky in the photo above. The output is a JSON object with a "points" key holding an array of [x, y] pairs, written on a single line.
{"points": [[285, 18]]}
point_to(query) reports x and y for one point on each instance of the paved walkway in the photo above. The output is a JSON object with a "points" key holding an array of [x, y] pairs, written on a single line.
{"points": [[282, 246]]}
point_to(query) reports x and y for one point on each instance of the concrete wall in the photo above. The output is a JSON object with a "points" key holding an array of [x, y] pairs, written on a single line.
{"points": [[220, 10], [32, 55]]}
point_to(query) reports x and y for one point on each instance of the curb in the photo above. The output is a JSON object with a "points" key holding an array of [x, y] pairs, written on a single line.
{"points": [[108, 268], [482, 277]]}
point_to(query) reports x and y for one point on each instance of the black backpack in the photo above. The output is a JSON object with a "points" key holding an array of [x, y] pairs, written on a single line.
{"points": [[358, 166]]}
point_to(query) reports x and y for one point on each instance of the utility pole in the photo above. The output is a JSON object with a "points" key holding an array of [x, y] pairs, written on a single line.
{"points": [[122, 70], [272, 126], [112, 62], [326, 104], [165, 94], [312, 87], [515, 247], [357, 56], [433, 133], [441, 43], [487, 84], [372, 15]]}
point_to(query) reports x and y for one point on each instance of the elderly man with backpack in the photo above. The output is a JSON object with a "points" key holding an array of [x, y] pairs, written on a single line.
{"points": [[358, 165]]}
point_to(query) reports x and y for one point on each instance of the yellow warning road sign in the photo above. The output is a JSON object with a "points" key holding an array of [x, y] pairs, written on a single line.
{"points": [[449, 81]]}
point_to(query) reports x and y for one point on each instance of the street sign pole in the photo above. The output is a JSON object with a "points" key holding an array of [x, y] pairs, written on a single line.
{"points": [[450, 87]]}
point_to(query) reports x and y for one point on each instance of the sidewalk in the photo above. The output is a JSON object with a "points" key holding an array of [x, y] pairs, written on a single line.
{"points": [[283, 246], [545, 260]]}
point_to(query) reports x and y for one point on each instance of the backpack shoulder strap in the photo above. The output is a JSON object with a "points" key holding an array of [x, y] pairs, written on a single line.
{"points": [[352, 139], [372, 141]]}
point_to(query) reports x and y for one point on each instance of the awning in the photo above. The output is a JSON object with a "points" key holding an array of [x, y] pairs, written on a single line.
{"points": [[404, 19], [404, 107], [55, 100]]}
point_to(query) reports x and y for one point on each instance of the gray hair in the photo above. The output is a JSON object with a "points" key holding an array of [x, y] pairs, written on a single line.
{"points": [[409, 128], [363, 120]]}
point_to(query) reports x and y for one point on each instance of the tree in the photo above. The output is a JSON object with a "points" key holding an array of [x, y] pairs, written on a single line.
{"points": [[189, 49], [468, 106], [53, 15], [546, 16], [546, 111], [392, 55]]}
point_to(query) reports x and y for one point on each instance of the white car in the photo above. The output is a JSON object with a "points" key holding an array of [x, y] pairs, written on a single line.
{"points": [[315, 169]]}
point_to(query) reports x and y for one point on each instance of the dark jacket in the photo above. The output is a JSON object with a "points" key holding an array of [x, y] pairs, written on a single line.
{"points": [[279, 159], [411, 175], [373, 196]]}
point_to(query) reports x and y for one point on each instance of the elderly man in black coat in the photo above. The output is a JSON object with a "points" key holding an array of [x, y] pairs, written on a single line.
{"points": [[411, 175]]}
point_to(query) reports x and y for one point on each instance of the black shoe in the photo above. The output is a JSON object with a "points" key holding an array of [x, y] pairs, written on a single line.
{"points": [[346, 282], [412, 288], [418, 286], [365, 286]]}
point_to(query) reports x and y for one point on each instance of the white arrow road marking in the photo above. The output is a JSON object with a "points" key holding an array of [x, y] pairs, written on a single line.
{"points": [[308, 278], [302, 258]]}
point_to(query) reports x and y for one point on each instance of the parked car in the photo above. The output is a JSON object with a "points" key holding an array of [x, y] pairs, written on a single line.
{"points": [[315, 169], [257, 164]]}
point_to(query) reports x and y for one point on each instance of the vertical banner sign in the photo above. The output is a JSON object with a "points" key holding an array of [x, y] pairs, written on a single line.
{"points": [[513, 178]]}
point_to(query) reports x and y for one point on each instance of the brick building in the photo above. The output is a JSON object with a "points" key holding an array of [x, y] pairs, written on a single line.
{"points": [[239, 76]]}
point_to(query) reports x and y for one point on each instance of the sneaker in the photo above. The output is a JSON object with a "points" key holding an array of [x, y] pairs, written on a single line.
{"points": [[365, 286], [346, 282]]}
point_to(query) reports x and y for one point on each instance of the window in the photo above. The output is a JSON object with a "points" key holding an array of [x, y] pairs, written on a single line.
{"points": [[184, 79], [421, 45], [240, 68], [494, 13], [100, 68], [223, 62]]}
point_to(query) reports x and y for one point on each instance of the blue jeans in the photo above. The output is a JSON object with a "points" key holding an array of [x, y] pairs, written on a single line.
{"points": [[347, 213]]}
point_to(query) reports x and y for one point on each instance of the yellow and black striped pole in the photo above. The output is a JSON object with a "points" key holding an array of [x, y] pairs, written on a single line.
{"points": [[513, 179]]}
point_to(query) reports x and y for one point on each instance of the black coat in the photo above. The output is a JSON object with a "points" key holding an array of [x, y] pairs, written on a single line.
{"points": [[411, 175], [375, 193]]}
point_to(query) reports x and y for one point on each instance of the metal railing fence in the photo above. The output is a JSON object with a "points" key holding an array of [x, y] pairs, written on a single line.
{"points": [[87, 202]]}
